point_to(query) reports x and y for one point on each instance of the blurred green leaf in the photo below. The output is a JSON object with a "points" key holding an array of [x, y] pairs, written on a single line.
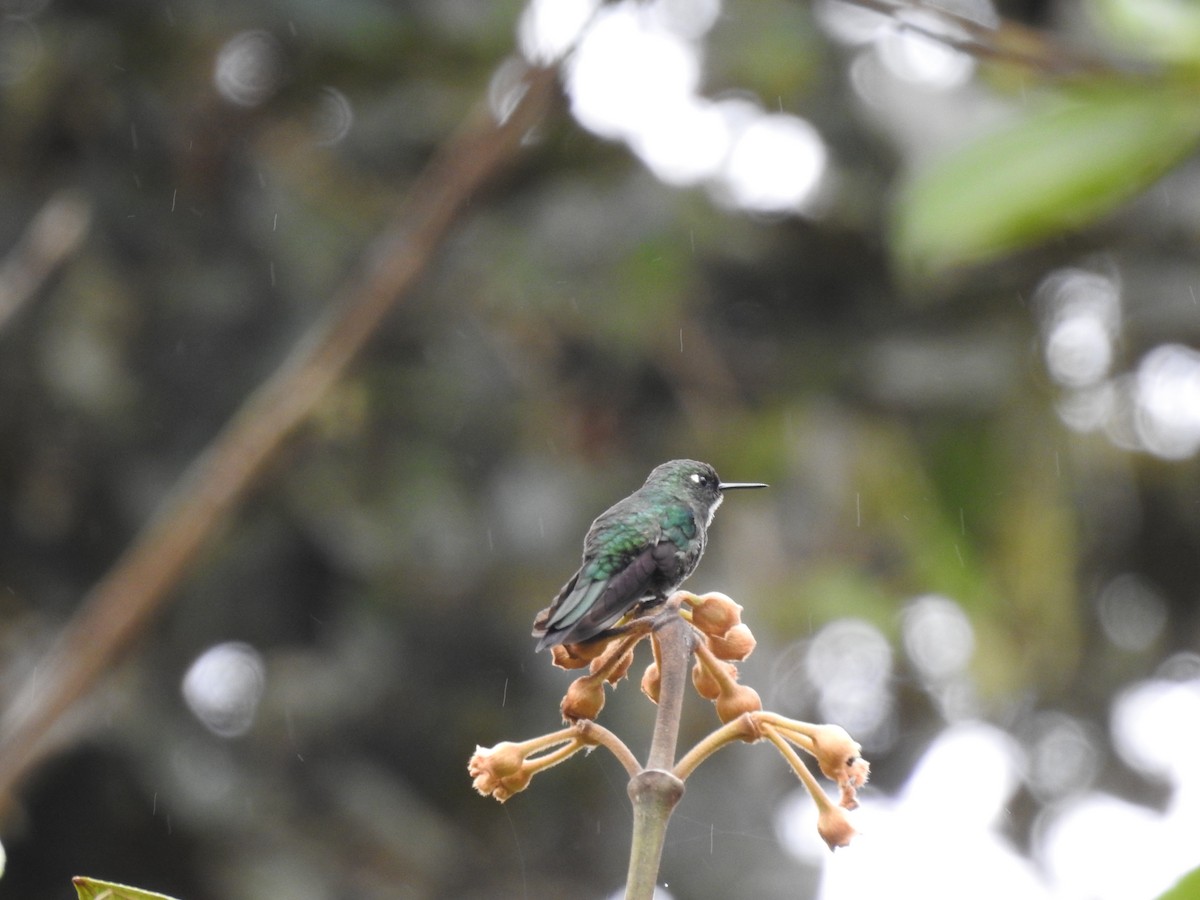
{"points": [[1187, 888], [1167, 29], [94, 889], [1060, 168]]}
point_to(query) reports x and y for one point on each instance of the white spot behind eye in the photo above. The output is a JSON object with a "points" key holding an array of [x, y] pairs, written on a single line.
{"points": [[696, 477]]}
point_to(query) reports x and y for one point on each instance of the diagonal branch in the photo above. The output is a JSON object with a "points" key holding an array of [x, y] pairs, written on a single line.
{"points": [[54, 234], [118, 607]]}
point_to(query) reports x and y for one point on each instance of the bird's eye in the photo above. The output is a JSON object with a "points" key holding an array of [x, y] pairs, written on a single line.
{"points": [[699, 479]]}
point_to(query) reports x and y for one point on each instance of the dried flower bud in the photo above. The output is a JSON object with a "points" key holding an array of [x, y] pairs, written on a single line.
{"points": [[834, 826], [715, 613], [561, 656], [576, 656], [741, 699], [704, 683], [736, 643], [708, 685], [499, 771], [584, 699], [619, 669], [838, 756], [652, 681], [849, 798]]}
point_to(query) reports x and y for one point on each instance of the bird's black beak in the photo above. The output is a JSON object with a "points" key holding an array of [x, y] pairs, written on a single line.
{"points": [[738, 485]]}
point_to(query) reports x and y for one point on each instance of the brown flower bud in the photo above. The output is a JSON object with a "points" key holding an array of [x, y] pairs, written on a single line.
{"points": [[561, 656], [849, 797], [620, 668], [715, 613], [584, 699], [704, 683], [652, 681], [499, 771], [576, 656], [839, 757], [708, 685], [737, 643], [741, 699], [834, 826]]}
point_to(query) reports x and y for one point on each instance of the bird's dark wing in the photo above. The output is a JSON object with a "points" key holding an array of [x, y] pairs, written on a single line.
{"points": [[597, 596], [631, 552]]}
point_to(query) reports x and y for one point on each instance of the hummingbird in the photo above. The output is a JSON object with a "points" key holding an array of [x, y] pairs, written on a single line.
{"points": [[637, 552]]}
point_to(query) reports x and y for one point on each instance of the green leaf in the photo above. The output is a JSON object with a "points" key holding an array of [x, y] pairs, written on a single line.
{"points": [[1187, 888], [1059, 169], [1167, 29], [94, 889]]}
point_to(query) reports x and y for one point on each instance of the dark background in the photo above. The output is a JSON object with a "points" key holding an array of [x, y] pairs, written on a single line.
{"points": [[583, 324]]}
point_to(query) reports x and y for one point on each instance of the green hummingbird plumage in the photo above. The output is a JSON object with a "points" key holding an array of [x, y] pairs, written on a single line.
{"points": [[638, 551]]}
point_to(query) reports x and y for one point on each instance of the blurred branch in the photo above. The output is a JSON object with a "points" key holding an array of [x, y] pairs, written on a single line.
{"points": [[1005, 42], [54, 234], [116, 610]]}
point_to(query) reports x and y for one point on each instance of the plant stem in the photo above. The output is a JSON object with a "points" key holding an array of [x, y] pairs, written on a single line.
{"points": [[655, 790], [654, 793], [675, 652]]}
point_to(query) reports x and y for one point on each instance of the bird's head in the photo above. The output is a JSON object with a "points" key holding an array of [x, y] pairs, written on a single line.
{"points": [[695, 481]]}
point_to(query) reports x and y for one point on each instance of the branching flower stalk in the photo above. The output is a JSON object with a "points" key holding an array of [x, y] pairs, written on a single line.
{"points": [[708, 629]]}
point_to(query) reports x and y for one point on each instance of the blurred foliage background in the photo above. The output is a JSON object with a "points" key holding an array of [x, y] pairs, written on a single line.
{"points": [[933, 275]]}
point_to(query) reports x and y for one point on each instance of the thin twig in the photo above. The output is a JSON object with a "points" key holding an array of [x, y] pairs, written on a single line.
{"points": [[742, 728], [116, 610], [594, 733], [552, 758], [788, 728], [793, 759]]}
